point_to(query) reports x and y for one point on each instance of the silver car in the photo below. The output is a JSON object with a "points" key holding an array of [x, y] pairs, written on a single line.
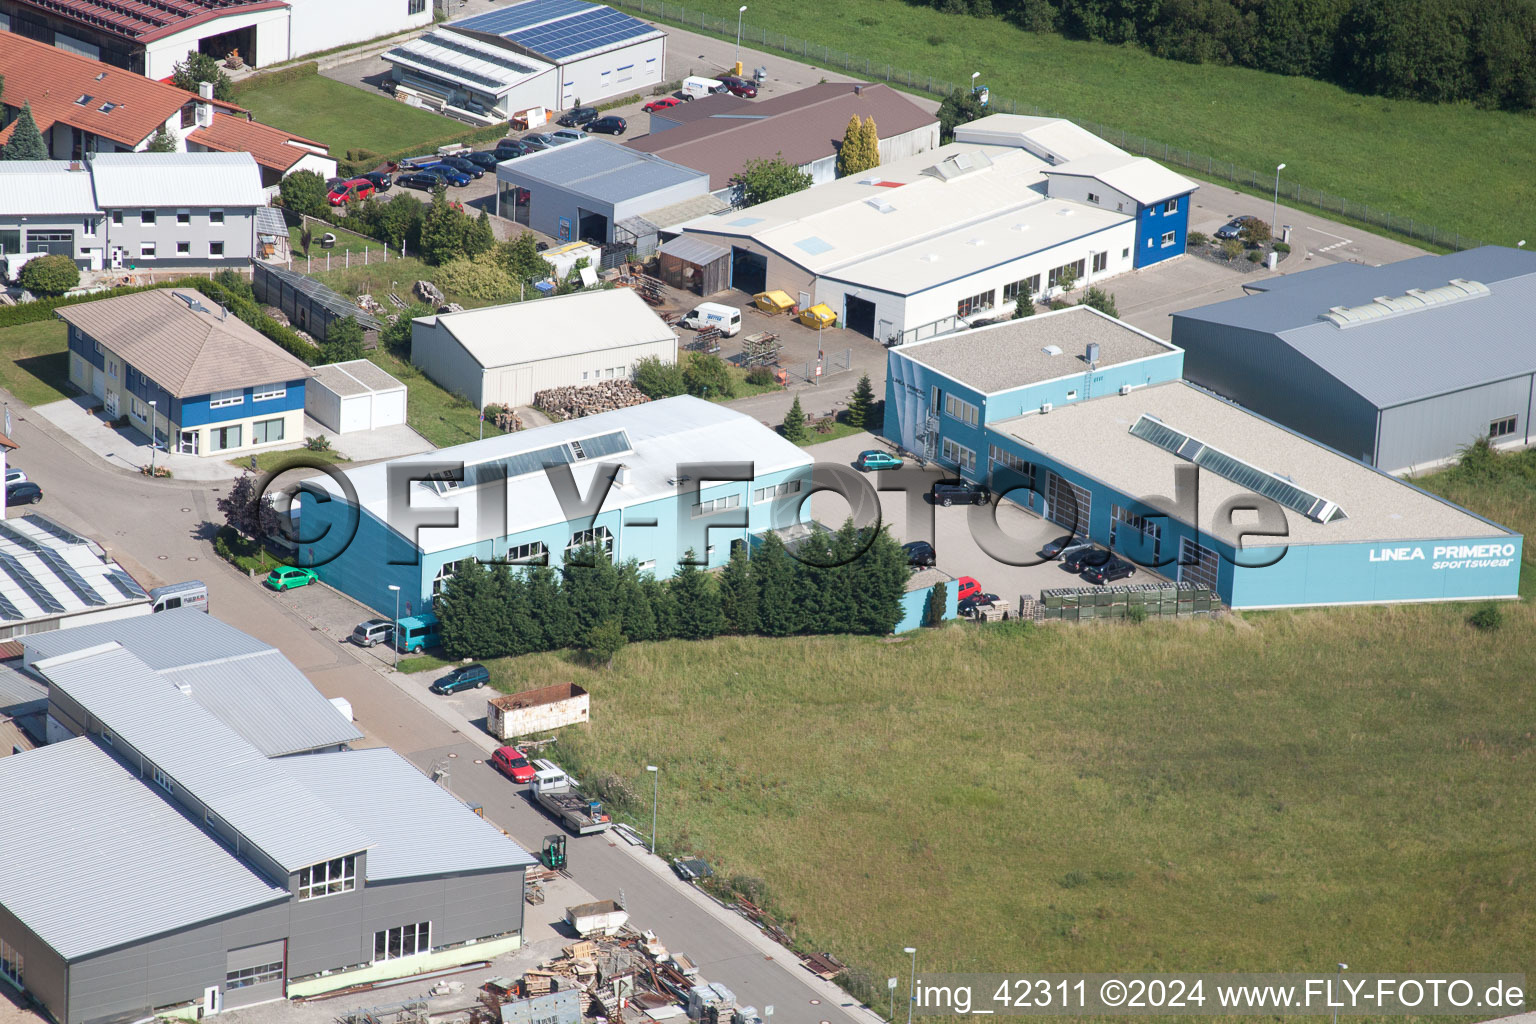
{"points": [[373, 632]]}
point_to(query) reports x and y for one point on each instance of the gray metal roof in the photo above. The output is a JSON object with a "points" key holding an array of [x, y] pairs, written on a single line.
{"points": [[322, 294], [355, 377], [601, 170], [417, 828], [691, 249], [173, 639], [19, 692], [268, 701], [34, 188], [91, 857], [230, 180], [257, 797], [1434, 350]]}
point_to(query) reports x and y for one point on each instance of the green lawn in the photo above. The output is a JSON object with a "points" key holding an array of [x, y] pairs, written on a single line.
{"points": [[346, 242], [1394, 155], [440, 417], [34, 361], [271, 461], [341, 116]]}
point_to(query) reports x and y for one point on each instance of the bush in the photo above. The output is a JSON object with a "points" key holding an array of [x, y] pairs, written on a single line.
{"points": [[1060, 303], [318, 443], [707, 376], [1281, 247], [1255, 256], [761, 377], [1231, 248], [1196, 238], [1255, 232], [482, 278], [50, 275], [1489, 619], [657, 379]]}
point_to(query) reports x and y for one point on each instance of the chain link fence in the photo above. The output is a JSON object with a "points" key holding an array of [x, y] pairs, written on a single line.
{"points": [[1203, 165]]}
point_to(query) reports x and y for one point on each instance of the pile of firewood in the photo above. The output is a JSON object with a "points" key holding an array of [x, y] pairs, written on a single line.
{"points": [[573, 402]]}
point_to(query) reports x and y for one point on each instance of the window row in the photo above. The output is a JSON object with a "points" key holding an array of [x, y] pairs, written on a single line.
{"points": [[976, 303], [183, 217], [606, 374], [710, 506], [1072, 271], [961, 410], [1139, 523], [1502, 427], [150, 251], [1029, 285], [536, 553], [406, 940], [584, 538], [959, 455], [262, 432], [1003, 457], [328, 878], [762, 494], [248, 976]]}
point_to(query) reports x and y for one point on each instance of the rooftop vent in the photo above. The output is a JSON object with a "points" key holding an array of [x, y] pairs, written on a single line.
{"points": [[976, 241], [1051, 350], [882, 205], [1414, 299], [192, 303], [929, 257]]}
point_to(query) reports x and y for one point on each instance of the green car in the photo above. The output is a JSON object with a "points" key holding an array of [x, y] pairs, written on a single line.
{"points": [[875, 459], [289, 577]]}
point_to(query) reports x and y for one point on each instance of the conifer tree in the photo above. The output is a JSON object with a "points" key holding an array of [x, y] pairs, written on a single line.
{"points": [[698, 603], [794, 427], [634, 604], [547, 607], [869, 144], [590, 583], [858, 404], [26, 141], [663, 606], [848, 153], [774, 571], [464, 615], [738, 592]]}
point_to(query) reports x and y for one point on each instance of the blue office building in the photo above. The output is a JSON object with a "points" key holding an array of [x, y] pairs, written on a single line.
{"points": [[502, 499], [1087, 422]]}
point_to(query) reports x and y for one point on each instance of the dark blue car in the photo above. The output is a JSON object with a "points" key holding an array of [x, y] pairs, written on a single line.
{"points": [[452, 175]]}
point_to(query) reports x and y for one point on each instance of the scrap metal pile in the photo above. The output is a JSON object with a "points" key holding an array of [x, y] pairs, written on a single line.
{"points": [[574, 401]]}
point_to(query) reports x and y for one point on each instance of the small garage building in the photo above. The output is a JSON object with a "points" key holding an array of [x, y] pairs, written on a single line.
{"points": [[504, 355], [352, 396], [582, 190]]}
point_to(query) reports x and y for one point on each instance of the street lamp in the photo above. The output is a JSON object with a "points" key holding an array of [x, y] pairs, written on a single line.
{"points": [[1342, 969], [912, 988], [655, 796], [151, 438], [394, 633], [739, 12], [1275, 214]]}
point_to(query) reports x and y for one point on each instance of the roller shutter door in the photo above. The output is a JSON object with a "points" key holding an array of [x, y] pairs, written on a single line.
{"points": [[1068, 504], [255, 974]]}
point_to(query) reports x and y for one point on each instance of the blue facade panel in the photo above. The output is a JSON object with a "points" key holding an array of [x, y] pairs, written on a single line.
{"points": [[1078, 387], [197, 411], [1154, 223], [1380, 573], [85, 348]]}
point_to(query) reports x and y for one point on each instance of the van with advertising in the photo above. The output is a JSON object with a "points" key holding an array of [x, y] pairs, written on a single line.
{"points": [[727, 319], [697, 86], [415, 633], [191, 594]]}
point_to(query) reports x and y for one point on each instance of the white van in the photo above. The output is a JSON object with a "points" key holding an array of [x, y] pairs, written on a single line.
{"points": [[698, 86], [191, 594], [713, 314]]}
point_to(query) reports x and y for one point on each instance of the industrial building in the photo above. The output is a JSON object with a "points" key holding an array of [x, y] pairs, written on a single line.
{"points": [[504, 355], [496, 500], [1400, 365], [186, 372], [151, 38], [52, 578], [539, 53], [83, 106], [719, 134], [947, 238], [164, 855], [586, 191], [1086, 421], [134, 209]]}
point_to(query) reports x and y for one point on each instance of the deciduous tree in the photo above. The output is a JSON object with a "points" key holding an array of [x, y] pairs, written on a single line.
{"points": [[657, 379], [768, 178], [304, 192], [201, 67]]}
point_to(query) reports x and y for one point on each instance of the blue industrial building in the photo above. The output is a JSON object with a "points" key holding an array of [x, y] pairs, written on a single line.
{"points": [[1400, 365], [1087, 422], [663, 501]]}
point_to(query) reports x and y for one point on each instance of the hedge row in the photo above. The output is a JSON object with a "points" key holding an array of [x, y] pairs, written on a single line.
{"points": [[473, 137], [42, 309], [291, 74]]}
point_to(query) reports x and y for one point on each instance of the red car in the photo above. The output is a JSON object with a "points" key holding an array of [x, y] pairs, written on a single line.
{"points": [[511, 763], [661, 104], [968, 588], [356, 188]]}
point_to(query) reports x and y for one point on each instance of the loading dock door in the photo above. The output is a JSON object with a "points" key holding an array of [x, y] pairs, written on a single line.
{"points": [[255, 974], [859, 315], [749, 270], [591, 227], [1198, 564], [1068, 504]]}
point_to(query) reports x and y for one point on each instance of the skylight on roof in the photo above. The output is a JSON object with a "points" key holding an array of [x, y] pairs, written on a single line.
{"points": [[883, 205], [744, 222], [84, 99], [107, 108], [1259, 481], [813, 245]]}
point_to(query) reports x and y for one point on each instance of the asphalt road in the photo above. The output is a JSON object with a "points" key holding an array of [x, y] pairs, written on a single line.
{"points": [[159, 531]]}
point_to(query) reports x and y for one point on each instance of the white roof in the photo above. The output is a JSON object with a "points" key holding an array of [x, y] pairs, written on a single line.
{"points": [[177, 179], [31, 188], [561, 325], [418, 828], [47, 571], [452, 56], [92, 858], [650, 440], [258, 797], [354, 377], [1052, 138], [1145, 181], [923, 229]]}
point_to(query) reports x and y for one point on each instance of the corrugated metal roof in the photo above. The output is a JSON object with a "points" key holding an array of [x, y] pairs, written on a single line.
{"points": [[694, 250], [91, 857], [173, 639], [417, 827], [188, 351], [561, 325], [466, 61], [601, 170], [18, 690], [264, 698], [229, 180], [34, 188], [1433, 350], [258, 797]]}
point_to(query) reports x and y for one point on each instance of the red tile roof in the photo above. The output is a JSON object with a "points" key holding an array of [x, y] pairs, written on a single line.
{"points": [[11, 649], [146, 20], [53, 81], [272, 147], [803, 126]]}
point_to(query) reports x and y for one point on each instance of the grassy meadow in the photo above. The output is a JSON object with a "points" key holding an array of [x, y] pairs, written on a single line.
{"points": [[341, 116], [34, 361], [1414, 159], [1272, 791]]}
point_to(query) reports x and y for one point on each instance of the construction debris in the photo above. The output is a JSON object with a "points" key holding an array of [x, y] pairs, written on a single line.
{"points": [[823, 965], [574, 401], [429, 293]]}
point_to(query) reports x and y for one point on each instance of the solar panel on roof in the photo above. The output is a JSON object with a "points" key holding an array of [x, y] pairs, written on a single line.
{"points": [[520, 16], [72, 579], [9, 610], [49, 526], [127, 584], [591, 30], [9, 532], [27, 582]]}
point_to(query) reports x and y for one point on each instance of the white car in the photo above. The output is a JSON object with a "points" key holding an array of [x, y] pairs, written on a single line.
{"points": [[15, 476], [565, 135]]}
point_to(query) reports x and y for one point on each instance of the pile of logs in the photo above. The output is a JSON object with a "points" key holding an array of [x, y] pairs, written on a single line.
{"points": [[572, 402]]}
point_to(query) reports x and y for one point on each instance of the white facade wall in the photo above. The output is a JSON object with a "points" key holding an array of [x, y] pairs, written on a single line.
{"points": [[518, 383], [919, 140], [619, 72], [323, 24], [1077, 189], [324, 166], [162, 55]]}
